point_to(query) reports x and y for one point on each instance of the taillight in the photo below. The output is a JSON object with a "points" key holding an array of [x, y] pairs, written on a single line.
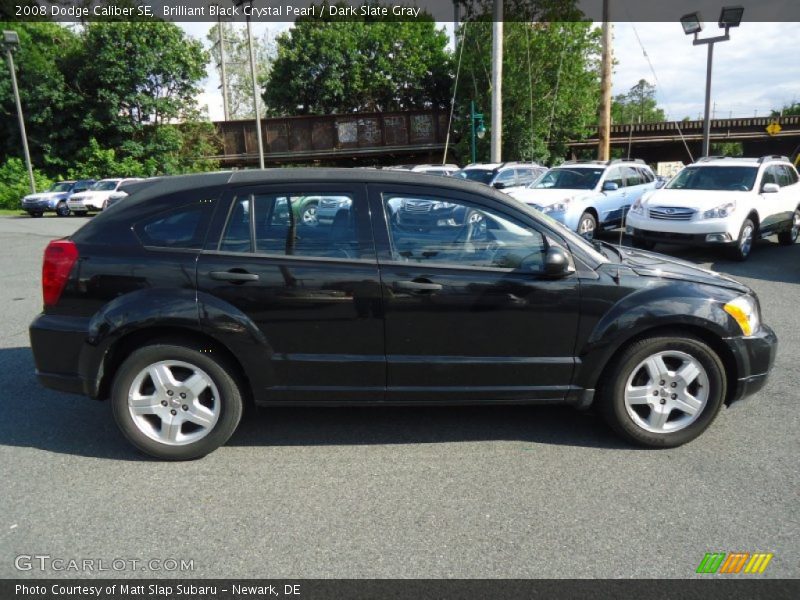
{"points": [[59, 257]]}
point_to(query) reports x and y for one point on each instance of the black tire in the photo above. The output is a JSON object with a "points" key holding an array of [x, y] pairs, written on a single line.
{"points": [[230, 399], [611, 392], [62, 210], [642, 244], [744, 246], [587, 225], [789, 237]]}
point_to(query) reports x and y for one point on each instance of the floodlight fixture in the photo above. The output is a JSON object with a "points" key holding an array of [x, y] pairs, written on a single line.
{"points": [[730, 16], [692, 23]]}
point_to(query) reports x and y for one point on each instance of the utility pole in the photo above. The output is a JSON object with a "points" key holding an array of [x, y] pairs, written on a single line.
{"points": [[10, 44], [223, 72], [497, 81], [255, 94], [607, 57]]}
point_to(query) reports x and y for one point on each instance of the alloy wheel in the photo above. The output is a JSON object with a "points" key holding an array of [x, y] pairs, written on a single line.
{"points": [[666, 392], [174, 402], [309, 216]]}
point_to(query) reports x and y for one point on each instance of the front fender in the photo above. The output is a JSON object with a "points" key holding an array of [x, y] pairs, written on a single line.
{"points": [[674, 304]]}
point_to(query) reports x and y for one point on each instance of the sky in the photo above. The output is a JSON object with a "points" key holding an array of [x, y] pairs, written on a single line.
{"points": [[755, 72]]}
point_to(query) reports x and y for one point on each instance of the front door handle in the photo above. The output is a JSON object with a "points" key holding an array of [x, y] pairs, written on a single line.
{"points": [[236, 276], [417, 286]]}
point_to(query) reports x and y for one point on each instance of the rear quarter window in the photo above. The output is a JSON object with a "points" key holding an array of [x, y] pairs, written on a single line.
{"points": [[182, 227]]}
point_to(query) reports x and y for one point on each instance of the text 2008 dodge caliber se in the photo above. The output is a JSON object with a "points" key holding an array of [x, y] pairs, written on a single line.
{"points": [[201, 293]]}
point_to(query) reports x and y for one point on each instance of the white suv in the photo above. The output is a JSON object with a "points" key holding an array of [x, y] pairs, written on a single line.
{"points": [[721, 202], [95, 197]]}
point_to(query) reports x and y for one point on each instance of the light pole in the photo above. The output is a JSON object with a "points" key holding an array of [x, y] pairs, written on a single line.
{"points": [[10, 45], [255, 84], [477, 127], [730, 16]]}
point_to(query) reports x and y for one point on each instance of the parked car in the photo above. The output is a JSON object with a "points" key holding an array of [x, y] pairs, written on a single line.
{"points": [[502, 176], [587, 195], [93, 199], [123, 191], [446, 170], [729, 202], [54, 199], [200, 293]]}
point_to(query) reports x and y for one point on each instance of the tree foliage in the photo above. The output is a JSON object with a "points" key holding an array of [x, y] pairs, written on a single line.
{"points": [[637, 106], [237, 67], [331, 66], [14, 182], [550, 85], [114, 94], [792, 109]]}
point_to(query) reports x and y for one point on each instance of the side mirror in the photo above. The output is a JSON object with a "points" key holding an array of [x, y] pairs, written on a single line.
{"points": [[770, 188], [660, 183], [556, 263], [610, 186], [499, 185]]}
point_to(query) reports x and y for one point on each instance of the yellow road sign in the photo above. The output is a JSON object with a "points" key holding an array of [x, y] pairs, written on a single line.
{"points": [[774, 128]]}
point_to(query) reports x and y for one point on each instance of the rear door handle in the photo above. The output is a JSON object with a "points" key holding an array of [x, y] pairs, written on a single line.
{"points": [[233, 276], [418, 286]]}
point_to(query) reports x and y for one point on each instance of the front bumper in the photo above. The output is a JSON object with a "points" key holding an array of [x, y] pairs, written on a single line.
{"points": [[710, 238], [38, 206], [754, 356]]}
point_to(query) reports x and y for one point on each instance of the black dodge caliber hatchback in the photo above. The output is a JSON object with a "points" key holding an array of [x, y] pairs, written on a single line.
{"points": [[201, 293]]}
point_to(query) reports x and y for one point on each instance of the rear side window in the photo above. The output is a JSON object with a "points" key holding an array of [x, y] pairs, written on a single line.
{"points": [[314, 225], [181, 227]]}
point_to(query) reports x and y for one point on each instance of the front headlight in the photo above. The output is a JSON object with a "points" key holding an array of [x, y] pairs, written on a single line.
{"points": [[637, 207], [557, 207], [744, 311], [721, 211]]}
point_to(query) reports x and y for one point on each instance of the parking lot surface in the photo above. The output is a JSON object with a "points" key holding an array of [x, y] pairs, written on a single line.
{"points": [[472, 492]]}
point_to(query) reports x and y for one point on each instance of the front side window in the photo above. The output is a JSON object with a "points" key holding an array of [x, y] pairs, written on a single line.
{"points": [[784, 176], [319, 225], [505, 177], [633, 176], [734, 179], [617, 176], [104, 186], [438, 231], [564, 178], [64, 186], [479, 175]]}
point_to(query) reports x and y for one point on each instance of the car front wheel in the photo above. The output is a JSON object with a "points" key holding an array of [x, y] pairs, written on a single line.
{"points": [[787, 238], [309, 215], [62, 210], [587, 225], [174, 402], [663, 391], [744, 245]]}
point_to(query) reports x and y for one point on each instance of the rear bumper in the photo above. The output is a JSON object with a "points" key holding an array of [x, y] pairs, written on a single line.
{"points": [[57, 342], [754, 356]]}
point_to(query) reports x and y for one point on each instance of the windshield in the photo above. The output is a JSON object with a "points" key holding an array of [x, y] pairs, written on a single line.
{"points": [[104, 186], [479, 175], [732, 179], [64, 186], [568, 179]]}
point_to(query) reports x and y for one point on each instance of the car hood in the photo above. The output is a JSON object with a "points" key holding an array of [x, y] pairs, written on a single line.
{"points": [[543, 197], [92, 195], [652, 264], [697, 199], [46, 196]]}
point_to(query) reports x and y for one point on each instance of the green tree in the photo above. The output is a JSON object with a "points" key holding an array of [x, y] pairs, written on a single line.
{"points": [[237, 67], [46, 94], [637, 106], [550, 85], [14, 182], [332, 66], [792, 109]]}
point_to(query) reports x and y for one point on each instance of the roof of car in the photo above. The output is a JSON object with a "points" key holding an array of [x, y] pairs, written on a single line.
{"points": [[159, 186], [740, 161]]}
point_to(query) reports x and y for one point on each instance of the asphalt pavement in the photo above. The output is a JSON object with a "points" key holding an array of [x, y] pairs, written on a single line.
{"points": [[475, 492]]}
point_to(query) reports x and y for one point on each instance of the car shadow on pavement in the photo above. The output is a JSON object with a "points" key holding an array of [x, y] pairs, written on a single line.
{"points": [[769, 261], [32, 416]]}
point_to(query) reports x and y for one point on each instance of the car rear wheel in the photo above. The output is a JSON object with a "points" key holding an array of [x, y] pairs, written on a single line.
{"points": [[62, 210], [787, 238], [175, 403], [744, 245], [663, 391], [587, 225]]}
